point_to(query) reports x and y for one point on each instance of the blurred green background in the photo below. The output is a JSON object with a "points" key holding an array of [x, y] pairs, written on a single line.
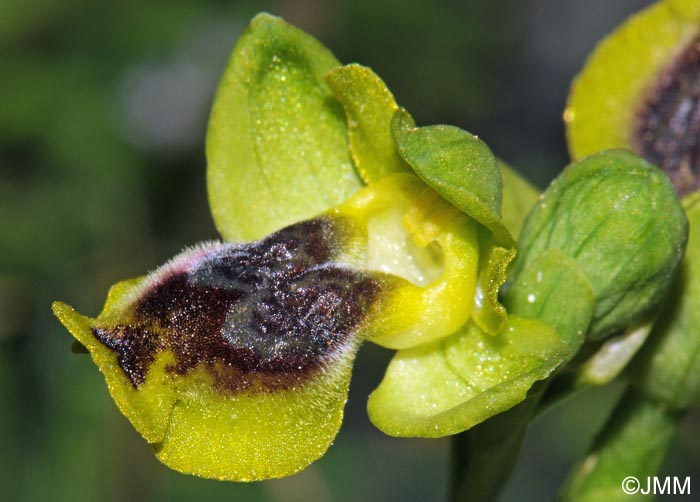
{"points": [[103, 110]]}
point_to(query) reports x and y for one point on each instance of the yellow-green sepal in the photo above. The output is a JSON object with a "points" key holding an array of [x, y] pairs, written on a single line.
{"points": [[369, 107], [450, 385], [604, 97], [277, 146], [688, 9]]}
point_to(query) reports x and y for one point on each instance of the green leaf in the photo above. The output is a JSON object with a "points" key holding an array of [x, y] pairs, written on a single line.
{"points": [[277, 141], [448, 386], [369, 107]]}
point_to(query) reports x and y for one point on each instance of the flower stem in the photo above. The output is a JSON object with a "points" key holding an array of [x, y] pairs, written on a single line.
{"points": [[633, 442], [484, 456]]}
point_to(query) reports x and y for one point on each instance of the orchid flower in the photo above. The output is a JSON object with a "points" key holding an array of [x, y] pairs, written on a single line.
{"points": [[343, 222]]}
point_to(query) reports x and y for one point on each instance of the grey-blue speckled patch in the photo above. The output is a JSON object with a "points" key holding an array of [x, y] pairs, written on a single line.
{"points": [[271, 312]]}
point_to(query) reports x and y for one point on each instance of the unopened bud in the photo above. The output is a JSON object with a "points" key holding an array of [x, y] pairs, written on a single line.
{"points": [[618, 217]]}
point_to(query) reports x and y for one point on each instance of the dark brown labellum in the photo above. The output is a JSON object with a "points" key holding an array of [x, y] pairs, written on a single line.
{"points": [[270, 312], [667, 132]]}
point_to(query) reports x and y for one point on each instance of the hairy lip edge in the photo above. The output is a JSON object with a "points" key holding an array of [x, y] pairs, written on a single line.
{"points": [[267, 315]]}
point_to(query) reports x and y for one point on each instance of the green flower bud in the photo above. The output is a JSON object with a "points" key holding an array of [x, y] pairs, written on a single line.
{"points": [[638, 90], [668, 368], [665, 381], [618, 217]]}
